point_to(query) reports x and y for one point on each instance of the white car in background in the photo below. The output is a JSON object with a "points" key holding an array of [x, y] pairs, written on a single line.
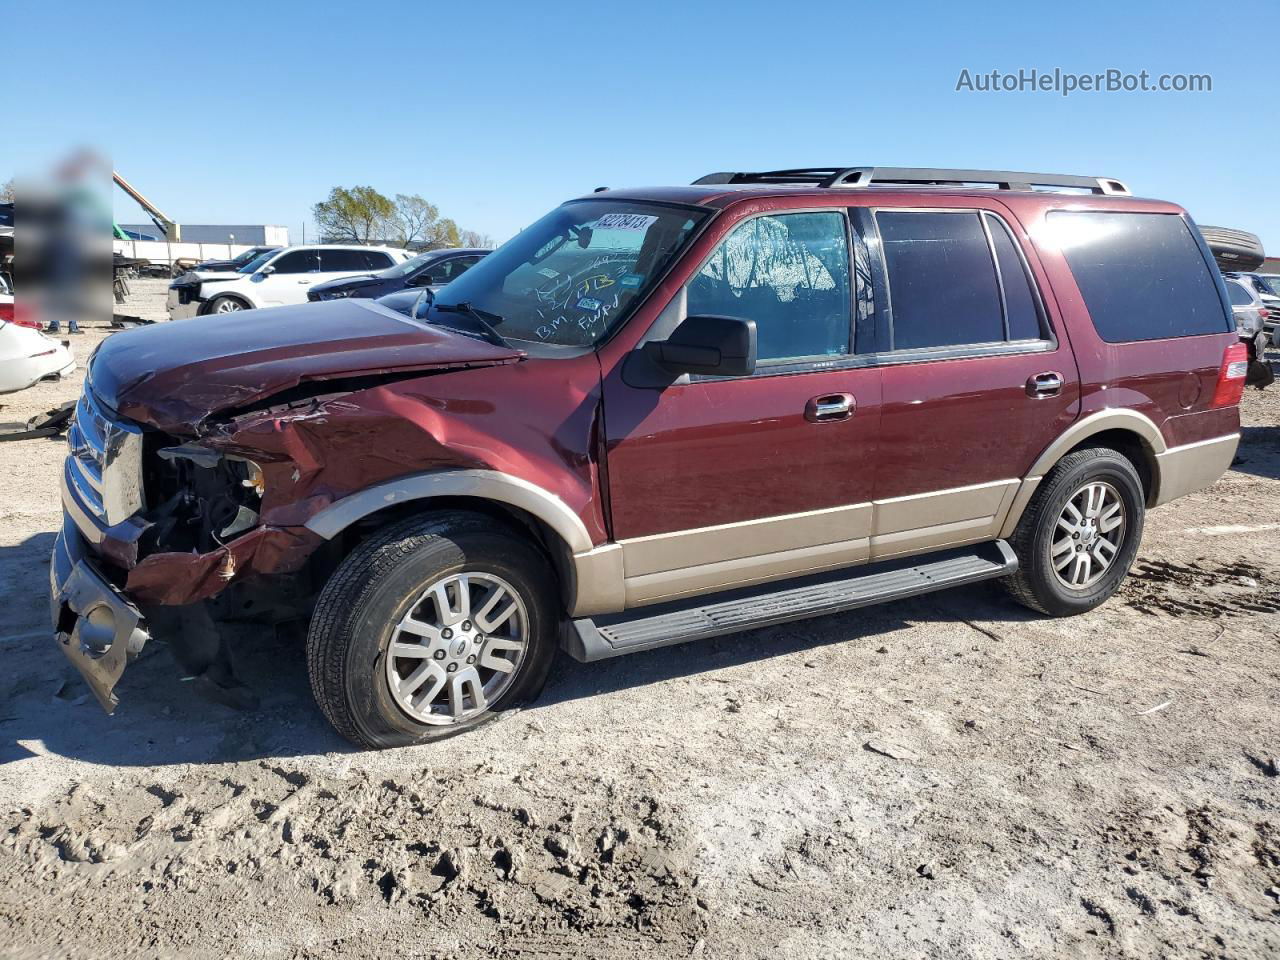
{"points": [[275, 279], [27, 356]]}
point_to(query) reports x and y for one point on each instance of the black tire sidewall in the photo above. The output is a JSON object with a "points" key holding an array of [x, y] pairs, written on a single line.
{"points": [[386, 598], [1107, 467]]}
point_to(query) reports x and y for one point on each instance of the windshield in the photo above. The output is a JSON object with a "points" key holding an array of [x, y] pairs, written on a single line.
{"points": [[575, 275], [406, 268], [248, 255], [258, 262], [1270, 284]]}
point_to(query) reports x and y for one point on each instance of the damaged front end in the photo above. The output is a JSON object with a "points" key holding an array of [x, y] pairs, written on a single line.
{"points": [[198, 529], [197, 456], [206, 528]]}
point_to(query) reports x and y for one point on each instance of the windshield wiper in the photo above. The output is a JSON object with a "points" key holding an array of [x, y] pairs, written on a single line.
{"points": [[481, 317]]}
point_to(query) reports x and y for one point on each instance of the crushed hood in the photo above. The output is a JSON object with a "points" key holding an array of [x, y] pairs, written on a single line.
{"points": [[175, 375]]}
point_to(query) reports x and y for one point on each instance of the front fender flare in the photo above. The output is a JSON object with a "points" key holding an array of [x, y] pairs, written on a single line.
{"points": [[480, 484]]}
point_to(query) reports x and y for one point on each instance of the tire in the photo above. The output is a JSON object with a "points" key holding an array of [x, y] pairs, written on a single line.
{"points": [[387, 583], [226, 304], [1099, 473]]}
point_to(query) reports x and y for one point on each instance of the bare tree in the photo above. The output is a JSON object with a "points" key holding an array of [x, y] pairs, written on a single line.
{"points": [[7, 192], [471, 238], [358, 215]]}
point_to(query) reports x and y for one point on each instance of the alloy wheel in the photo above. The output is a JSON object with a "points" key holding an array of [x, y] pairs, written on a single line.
{"points": [[1088, 535], [458, 648]]}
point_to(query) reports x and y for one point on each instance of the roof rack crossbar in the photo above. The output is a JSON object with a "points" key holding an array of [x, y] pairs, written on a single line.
{"points": [[849, 177]]}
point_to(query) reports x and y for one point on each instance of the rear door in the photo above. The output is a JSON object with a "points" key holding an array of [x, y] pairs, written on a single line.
{"points": [[722, 482], [977, 379], [336, 264]]}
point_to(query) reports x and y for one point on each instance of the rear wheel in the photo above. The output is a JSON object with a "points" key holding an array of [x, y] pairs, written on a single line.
{"points": [[1079, 535], [432, 627]]}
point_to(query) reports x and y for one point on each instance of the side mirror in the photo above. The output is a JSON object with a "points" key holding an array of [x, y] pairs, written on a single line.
{"points": [[712, 346], [267, 271]]}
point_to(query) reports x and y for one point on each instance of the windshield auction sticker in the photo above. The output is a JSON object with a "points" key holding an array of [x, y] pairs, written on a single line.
{"points": [[624, 221]]}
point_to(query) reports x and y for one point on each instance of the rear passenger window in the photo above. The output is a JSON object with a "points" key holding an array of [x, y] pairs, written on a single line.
{"points": [[297, 261], [788, 273], [1021, 306], [942, 282], [1240, 297], [335, 261], [1142, 275]]}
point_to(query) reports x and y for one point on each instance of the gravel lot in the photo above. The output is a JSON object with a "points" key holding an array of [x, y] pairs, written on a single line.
{"points": [[943, 777]]}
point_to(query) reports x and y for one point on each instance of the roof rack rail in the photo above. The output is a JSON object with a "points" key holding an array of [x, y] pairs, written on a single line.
{"points": [[828, 177]]}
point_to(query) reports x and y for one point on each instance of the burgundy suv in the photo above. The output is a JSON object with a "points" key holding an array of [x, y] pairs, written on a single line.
{"points": [[653, 416]]}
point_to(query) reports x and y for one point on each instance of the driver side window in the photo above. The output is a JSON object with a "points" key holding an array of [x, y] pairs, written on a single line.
{"points": [[790, 274]]}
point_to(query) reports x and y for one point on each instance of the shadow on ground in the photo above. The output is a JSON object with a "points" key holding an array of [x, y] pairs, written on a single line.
{"points": [[160, 721], [1259, 452]]}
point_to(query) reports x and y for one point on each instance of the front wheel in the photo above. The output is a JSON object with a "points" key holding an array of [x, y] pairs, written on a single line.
{"points": [[1079, 535], [226, 305], [431, 627]]}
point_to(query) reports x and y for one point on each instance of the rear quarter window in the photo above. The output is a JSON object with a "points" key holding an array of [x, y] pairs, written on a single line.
{"points": [[1142, 275]]}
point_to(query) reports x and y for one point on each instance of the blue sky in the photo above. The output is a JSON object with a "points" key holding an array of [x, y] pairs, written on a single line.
{"points": [[496, 111]]}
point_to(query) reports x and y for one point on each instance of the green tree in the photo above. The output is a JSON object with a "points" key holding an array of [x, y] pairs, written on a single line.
{"points": [[415, 219], [443, 233], [357, 215]]}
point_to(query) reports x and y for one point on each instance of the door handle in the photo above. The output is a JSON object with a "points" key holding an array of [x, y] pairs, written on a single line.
{"points": [[830, 406], [1045, 384]]}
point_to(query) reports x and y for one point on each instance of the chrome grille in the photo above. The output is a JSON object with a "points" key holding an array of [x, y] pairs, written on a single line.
{"points": [[104, 465]]}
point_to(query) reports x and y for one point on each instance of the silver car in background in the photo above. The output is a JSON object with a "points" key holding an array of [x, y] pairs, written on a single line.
{"points": [[1252, 315]]}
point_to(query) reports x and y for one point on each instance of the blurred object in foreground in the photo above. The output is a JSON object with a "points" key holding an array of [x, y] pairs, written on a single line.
{"points": [[62, 259]]}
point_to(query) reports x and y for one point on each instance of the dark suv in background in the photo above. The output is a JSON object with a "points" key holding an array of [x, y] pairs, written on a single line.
{"points": [[653, 416], [433, 269], [233, 264]]}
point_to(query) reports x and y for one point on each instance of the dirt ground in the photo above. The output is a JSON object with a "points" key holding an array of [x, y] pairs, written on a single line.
{"points": [[944, 777]]}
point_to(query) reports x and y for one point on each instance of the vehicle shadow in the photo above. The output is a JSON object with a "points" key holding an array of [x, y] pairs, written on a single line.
{"points": [[864, 627], [159, 722], [1259, 452], [45, 708]]}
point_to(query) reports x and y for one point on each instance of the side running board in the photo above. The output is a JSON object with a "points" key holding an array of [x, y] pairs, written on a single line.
{"points": [[668, 624]]}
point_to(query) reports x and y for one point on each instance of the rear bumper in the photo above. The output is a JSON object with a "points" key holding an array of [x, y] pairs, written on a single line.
{"points": [[95, 625], [1193, 466]]}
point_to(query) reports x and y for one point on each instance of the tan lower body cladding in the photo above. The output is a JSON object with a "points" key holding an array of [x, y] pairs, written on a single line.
{"points": [[646, 570], [705, 559]]}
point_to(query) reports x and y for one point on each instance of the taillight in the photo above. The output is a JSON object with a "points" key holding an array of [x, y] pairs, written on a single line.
{"points": [[1263, 313], [6, 313], [23, 317], [1235, 367]]}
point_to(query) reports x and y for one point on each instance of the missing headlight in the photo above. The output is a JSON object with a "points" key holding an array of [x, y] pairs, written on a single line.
{"points": [[205, 497]]}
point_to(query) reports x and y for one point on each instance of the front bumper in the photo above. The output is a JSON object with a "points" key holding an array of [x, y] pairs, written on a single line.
{"points": [[182, 307], [94, 624]]}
